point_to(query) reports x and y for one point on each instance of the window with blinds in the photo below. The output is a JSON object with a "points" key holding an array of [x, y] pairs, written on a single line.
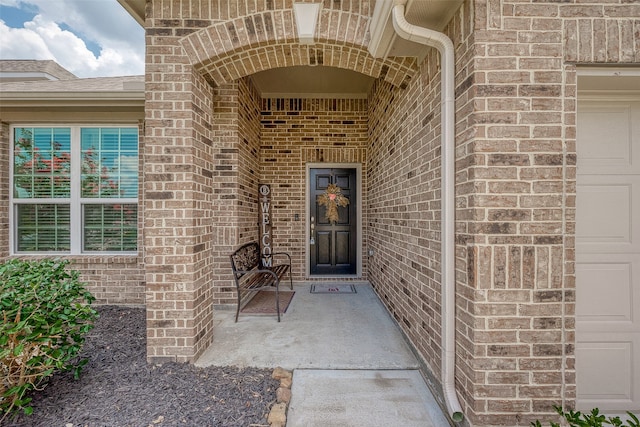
{"points": [[75, 189]]}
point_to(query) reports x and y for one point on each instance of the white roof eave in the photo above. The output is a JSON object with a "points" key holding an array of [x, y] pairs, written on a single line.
{"points": [[135, 8], [19, 98]]}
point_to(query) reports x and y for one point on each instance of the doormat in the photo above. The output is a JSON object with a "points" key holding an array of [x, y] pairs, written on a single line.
{"points": [[333, 289], [264, 302]]}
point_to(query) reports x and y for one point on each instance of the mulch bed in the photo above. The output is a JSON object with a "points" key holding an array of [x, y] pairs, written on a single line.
{"points": [[118, 388]]}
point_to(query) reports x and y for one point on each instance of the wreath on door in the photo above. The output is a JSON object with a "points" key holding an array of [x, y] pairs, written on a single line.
{"points": [[331, 199]]}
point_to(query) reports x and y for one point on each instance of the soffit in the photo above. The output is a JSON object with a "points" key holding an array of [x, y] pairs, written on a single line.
{"points": [[606, 79], [136, 9], [432, 14], [316, 82]]}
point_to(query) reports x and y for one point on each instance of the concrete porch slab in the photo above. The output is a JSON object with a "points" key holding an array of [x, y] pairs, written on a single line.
{"points": [[321, 331], [355, 398], [351, 365]]}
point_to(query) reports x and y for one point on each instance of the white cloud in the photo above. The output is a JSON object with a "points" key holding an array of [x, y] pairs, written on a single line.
{"points": [[103, 23], [12, 3], [21, 43]]}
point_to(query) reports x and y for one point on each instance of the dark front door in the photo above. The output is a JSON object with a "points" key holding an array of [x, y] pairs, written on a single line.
{"points": [[333, 245]]}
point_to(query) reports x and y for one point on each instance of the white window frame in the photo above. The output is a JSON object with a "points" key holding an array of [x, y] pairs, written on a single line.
{"points": [[75, 202]]}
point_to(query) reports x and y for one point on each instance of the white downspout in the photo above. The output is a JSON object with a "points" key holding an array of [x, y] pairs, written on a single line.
{"points": [[444, 45]]}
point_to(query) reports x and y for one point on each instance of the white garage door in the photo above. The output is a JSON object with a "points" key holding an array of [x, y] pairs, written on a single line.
{"points": [[608, 254]]}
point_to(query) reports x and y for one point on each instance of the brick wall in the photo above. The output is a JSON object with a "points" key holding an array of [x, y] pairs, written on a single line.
{"points": [[260, 35], [200, 167], [517, 190], [404, 207], [178, 195], [515, 175], [271, 141], [295, 132], [225, 219], [249, 164], [210, 139], [115, 280], [237, 173]]}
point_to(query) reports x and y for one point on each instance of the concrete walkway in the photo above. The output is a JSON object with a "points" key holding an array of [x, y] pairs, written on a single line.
{"points": [[351, 366]]}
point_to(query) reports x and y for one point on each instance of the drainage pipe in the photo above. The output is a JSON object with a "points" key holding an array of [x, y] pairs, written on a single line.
{"points": [[444, 45]]}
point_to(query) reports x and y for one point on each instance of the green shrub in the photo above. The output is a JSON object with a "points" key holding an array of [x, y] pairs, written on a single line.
{"points": [[45, 314], [593, 419]]}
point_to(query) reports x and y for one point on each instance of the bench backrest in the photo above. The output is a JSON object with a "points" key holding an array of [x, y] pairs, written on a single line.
{"points": [[245, 258]]}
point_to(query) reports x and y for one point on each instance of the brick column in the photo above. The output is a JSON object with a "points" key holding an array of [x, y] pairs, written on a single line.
{"points": [[177, 199], [517, 303]]}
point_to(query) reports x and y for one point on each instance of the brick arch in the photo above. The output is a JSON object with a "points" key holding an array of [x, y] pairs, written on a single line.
{"points": [[227, 51]]}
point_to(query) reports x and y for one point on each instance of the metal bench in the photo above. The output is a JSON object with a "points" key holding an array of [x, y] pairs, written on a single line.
{"points": [[250, 275]]}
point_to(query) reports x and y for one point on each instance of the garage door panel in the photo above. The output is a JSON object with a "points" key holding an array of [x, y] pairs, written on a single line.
{"points": [[608, 255], [604, 213], [605, 373], [606, 293], [607, 133], [606, 209]]}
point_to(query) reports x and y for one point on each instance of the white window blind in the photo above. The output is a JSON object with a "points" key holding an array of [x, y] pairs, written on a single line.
{"points": [[75, 189]]}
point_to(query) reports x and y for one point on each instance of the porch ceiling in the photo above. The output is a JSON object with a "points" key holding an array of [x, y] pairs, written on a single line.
{"points": [[312, 82]]}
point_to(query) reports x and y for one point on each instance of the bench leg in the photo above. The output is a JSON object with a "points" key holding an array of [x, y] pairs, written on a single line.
{"points": [[277, 300], [238, 307]]}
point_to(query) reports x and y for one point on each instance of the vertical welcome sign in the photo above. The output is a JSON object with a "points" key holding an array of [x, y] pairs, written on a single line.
{"points": [[264, 191]]}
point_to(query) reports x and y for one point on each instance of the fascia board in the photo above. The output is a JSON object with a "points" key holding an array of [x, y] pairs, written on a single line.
{"points": [[135, 8], [70, 98]]}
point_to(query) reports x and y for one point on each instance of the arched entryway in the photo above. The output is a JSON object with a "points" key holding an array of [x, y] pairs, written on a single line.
{"points": [[212, 137]]}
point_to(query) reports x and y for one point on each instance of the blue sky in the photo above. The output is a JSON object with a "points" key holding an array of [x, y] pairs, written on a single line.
{"points": [[90, 38]]}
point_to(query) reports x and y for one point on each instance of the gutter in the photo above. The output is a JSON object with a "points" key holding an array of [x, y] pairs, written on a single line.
{"points": [[444, 45]]}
